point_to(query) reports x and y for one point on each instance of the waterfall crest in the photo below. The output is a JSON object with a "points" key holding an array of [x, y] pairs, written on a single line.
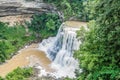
{"points": [[60, 50]]}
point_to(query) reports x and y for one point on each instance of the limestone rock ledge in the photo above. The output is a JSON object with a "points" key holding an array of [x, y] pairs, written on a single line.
{"points": [[20, 7]]}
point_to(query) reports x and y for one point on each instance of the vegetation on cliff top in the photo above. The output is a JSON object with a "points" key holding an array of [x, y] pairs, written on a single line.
{"points": [[72, 9]]}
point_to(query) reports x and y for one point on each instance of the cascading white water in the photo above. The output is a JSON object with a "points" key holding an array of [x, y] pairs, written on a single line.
{"points": [[60, 50]]}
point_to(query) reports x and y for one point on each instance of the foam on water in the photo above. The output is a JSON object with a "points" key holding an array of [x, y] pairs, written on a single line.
{"points": [[60, 50]]}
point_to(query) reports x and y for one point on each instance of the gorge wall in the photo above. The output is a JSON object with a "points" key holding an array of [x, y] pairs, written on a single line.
{"points": [[19, 7], [22, 10]]}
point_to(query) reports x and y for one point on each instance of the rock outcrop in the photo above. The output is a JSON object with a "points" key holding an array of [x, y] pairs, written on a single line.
{"points": [[19, 7], [18, 11]]}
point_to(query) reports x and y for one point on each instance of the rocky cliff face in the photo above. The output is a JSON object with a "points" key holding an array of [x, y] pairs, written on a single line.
{"points": [[18, 11], [18, 7]]}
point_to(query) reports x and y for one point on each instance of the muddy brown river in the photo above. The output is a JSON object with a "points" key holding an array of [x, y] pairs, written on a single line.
{"points": [[27, 56]]}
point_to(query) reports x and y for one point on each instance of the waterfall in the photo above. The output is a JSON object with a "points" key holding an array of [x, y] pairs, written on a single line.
{"points": [[60, 50]]}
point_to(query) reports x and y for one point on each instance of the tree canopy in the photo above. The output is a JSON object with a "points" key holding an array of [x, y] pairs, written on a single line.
{"points": [[99, 54]]}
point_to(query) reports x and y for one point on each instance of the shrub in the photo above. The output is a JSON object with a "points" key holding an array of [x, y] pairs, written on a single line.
{"points": [[45, 25]]}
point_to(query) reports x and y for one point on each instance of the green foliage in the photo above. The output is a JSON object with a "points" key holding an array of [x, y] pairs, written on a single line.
{"points": [[72, 8], [11, 39], [19, 74], [100, 51], [45, 25], [81, 33], [50, 25], [68, 79], [1, 78]]}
